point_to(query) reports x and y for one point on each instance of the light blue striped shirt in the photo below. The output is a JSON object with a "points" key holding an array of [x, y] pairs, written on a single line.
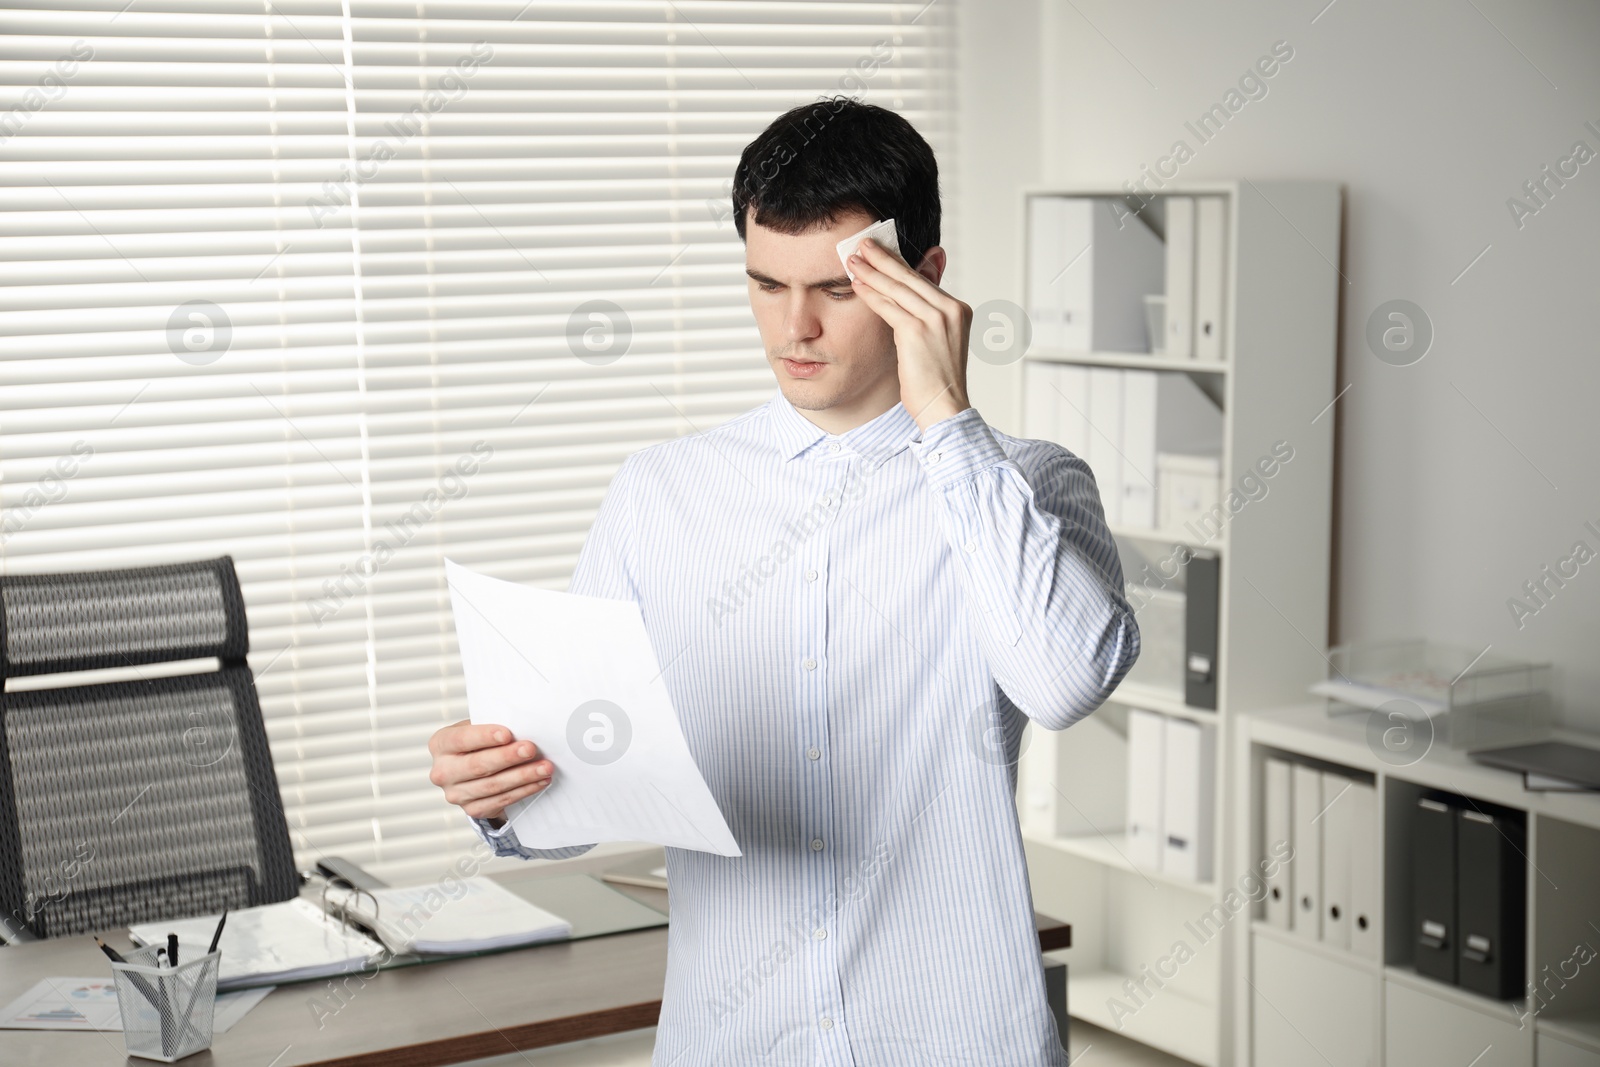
{"points": [[852, 628]]}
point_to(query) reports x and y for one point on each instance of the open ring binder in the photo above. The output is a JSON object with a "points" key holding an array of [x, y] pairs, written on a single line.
{"points": [[340, 906]]}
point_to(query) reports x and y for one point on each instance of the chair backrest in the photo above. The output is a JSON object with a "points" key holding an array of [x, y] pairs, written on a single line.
{"points": [[139, 800]]}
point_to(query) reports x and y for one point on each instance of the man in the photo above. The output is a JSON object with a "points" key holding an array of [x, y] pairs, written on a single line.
{"points": [[859, 590]]}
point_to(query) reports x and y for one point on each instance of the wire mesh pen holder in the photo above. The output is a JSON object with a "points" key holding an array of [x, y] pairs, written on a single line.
{"points": [[167, 1012]]}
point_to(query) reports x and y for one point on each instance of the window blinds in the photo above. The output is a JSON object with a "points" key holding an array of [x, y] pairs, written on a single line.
{"points": [[339, 288]]}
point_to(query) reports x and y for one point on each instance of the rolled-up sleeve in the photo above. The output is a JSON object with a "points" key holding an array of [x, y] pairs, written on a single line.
{"points": [[1039, 565], [504, 842]]}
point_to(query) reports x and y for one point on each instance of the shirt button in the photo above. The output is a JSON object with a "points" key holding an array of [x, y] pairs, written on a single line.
{"points": [[971, 546], [827, 500], [816, 844], [811, 664], [833, 446], [813, 753], [820, 934], [933, 457], [827, 1023], [811, 575]]}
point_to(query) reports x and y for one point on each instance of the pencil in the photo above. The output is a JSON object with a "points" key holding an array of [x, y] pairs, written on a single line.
{"points": [[216, 937], [111, 953]]}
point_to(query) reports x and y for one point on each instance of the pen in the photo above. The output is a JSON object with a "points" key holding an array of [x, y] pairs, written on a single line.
{"points": [[218, 935]]}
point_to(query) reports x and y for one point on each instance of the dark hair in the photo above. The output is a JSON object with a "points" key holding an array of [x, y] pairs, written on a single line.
{"points": [[822, 159]]}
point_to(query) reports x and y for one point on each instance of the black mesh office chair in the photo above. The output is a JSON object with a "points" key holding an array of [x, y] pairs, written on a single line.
{"points": [[133, 801]]}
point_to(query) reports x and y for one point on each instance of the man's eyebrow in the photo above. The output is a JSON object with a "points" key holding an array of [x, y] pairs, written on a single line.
{"points": [[841, 282]]}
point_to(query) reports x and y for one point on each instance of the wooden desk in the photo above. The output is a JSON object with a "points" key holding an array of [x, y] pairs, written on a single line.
{"points": [[426, 1016]]}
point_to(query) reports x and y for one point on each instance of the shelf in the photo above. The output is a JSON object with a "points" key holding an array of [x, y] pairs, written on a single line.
{"points": [[1168, 1020], [1407, 976], [1327, 952], [1583, 1030], [1273, 373], [1308, 729], [1138, 360], [1150, 698], [1111, 851], [1172, 537]]}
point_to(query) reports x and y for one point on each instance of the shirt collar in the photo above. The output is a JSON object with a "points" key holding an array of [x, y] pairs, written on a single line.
{"points": [[877, 439]]}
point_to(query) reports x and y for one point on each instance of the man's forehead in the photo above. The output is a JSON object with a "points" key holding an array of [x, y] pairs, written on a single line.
{"points": [[808, 259]]}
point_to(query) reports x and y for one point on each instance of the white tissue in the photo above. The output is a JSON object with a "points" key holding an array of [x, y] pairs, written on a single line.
{"points": [[882, 232]]}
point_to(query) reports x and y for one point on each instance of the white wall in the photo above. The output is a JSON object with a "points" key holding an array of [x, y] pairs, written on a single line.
{"points": [[1461, 475], [999, 95]]}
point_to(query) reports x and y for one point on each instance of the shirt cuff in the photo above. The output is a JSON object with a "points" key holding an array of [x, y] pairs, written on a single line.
{"points": [[958, 447], [503, 841], [505, 827]]}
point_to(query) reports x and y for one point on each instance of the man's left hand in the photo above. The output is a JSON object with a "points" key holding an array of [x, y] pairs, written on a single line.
{"points": [[931, 329]]}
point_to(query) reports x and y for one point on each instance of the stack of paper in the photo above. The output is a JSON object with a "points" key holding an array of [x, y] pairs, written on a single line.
{"points": [[469, 915]]}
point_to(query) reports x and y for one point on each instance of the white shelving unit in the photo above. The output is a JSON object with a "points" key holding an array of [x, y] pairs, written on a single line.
{"points": [[1153, 955], [1302, 1001]]}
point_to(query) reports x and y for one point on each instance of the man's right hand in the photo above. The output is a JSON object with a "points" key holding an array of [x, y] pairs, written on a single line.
{"points": [[482, 768]]}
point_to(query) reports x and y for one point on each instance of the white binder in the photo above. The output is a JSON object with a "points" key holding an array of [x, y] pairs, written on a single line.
{"points": [[1338, 831], [1107, 263], [1139, 448], [1105, 438], [1366, 895], [1074, 784], [1180, 277], [1210, 275], [1187, 812], [1056, 407], [289, 941], [1146, 753], [1076, 269], [484, 916], [1307, 784], [1278, 827]]}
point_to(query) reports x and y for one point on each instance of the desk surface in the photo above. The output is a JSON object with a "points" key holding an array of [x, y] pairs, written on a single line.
{"points": [[426, 1016]]}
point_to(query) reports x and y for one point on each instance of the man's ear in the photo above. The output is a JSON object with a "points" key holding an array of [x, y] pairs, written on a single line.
{"points": [[933, 264]]}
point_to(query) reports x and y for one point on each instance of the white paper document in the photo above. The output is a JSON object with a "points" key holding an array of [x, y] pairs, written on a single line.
{"points": [[91, 1004], [577, 676]]}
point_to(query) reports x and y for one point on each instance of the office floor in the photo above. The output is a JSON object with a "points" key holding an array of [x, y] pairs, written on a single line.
{"points": [[1091, 1047]]}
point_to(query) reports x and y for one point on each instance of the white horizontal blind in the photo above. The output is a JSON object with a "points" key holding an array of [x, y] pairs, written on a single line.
{"points": [[304, 282]]}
